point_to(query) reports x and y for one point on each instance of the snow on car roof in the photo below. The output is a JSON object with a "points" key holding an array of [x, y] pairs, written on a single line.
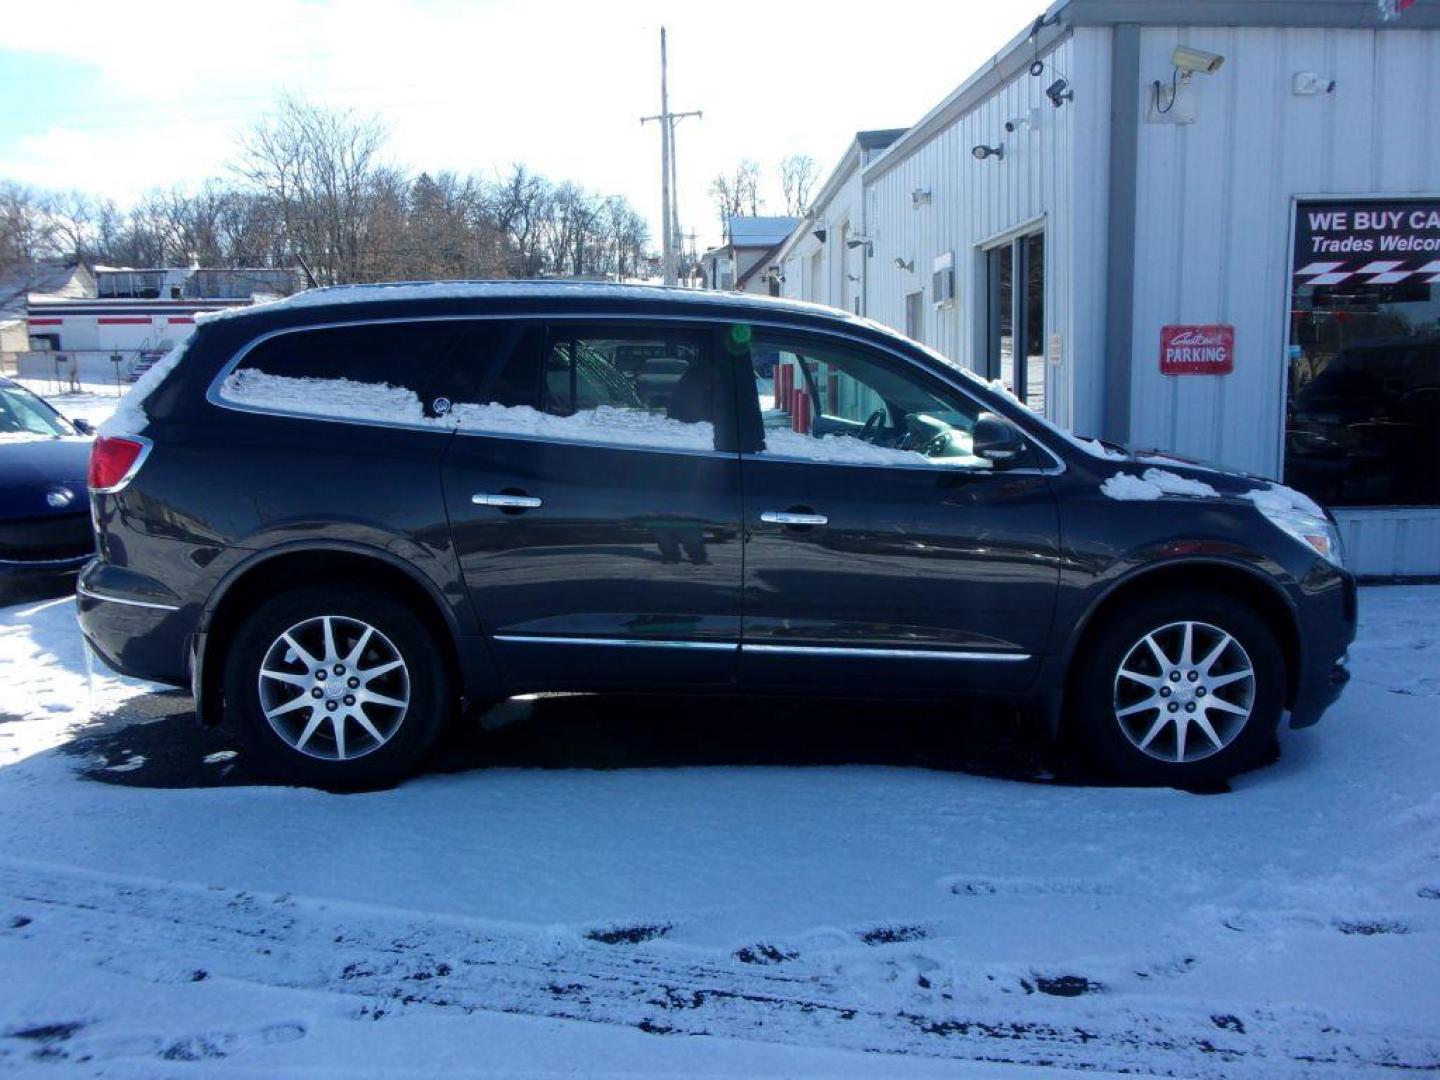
{"points": [[506, 289]]}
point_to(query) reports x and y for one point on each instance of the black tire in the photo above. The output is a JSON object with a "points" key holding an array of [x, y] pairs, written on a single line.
{"points": [[409, 731], [1098, 693]]}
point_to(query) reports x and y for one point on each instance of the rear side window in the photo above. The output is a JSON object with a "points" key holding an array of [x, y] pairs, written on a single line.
{"points": [[385, 372], [654, 387]]}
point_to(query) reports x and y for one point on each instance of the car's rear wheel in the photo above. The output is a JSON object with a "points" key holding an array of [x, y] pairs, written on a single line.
{"points": [[1185, 689], [335, 686]]}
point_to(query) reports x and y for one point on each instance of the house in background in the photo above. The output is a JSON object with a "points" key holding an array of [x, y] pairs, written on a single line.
{"points": [[17, 283], [743, 262]]}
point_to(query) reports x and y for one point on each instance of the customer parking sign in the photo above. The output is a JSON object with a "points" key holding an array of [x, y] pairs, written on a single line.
{"points": [[1197, 350]]}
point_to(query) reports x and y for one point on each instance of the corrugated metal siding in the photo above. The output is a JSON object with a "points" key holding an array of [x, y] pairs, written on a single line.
{"points": [[973, 202], [1398, 542], [1214, 217]]}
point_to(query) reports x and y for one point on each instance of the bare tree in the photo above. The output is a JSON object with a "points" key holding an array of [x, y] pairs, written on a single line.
{"points": [[316, 195], [26, 231], [520, 202], [318, 165], [797, 177], [737, 194]]}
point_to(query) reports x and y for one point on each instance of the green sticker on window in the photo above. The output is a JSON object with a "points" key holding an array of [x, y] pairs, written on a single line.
{"points": [[740, 334]]}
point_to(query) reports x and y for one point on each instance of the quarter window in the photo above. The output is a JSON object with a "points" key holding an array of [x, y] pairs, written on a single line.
{"points": [[385, 372], [843, 404]]}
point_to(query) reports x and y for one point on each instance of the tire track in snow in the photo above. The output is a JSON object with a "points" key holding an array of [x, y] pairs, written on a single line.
{"points": [[392, 961]]}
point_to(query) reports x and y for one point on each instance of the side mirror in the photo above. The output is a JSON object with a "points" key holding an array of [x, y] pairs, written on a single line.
{"points": [[996, 439], [85, 427]]}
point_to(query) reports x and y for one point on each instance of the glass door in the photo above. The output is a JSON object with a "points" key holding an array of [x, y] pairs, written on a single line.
{"points": [[1014, 304]]}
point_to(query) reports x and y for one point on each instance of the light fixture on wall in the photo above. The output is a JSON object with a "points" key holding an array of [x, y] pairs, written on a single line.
{"points": [[820, 233], [980, 151], [861, 241], [902, 264], [919, 197]]}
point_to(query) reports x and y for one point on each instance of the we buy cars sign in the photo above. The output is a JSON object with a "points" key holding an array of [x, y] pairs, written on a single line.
{"points": [[1197, 350]]}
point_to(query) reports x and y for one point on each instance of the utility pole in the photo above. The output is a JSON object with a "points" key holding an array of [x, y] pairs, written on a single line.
{"points": [[669, 215]]}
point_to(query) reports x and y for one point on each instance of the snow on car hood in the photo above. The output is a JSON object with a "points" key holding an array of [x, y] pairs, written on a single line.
{"points": [[1192, 481]]}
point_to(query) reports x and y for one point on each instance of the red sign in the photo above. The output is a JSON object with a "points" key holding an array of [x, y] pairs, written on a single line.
{"points": [[1197, 350]]}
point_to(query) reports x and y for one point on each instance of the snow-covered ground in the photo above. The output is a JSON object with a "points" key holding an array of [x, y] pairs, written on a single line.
{"points": [[715, 889]]}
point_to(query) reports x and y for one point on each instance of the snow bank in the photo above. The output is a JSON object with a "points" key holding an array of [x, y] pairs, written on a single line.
{"points": [[1155, 483], [129, 416]]}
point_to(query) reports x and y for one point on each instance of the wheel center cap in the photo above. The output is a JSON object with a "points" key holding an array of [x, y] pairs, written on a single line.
{"points": [[334, 691]]}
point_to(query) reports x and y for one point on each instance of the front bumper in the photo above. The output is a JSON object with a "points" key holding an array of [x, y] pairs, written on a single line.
{"points": [[55, 544], [17, 569], [1327, 621]]}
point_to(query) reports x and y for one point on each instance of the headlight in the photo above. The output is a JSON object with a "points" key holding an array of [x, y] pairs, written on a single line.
{"points": [[1315, 531]]}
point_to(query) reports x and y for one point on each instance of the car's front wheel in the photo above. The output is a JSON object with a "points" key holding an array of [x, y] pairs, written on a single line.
{"points": [[1185, 689], [338, 687]]}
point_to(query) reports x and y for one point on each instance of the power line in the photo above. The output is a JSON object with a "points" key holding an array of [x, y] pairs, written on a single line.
{"points": [[669, 215]]}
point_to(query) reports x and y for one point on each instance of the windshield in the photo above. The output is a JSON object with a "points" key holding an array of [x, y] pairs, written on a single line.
{"points": [[22, 413]]}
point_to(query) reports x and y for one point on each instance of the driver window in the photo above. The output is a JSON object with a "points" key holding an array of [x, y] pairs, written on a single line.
{"points": [[837, 403]]}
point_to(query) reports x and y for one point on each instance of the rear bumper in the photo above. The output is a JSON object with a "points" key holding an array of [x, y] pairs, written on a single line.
{"points": [[135, 626]]}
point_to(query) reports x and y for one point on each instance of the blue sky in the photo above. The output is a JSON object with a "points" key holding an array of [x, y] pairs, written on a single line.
{"points": [[115, 99]]}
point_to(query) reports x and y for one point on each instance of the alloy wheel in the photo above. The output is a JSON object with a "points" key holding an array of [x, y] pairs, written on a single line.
{"points": [[1184, 691], [334, 687]]}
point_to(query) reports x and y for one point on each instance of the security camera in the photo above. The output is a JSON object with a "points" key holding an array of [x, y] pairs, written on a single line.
{"points": [[980, 152], [857, 241], [1059, 92], [1188, 60]]}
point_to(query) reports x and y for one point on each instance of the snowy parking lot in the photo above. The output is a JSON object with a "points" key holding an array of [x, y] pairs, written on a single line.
{"points": [[603, 887]]}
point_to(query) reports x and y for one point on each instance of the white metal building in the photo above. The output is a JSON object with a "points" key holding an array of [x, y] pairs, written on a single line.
{"points": [[1210, 227]]}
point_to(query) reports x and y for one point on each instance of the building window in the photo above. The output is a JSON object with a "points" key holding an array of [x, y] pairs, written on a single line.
{"points": [[915, 316], [1362, 411]]}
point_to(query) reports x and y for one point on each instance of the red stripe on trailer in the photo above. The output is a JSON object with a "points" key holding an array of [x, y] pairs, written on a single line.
{"points": [[123, 321], [176, 320], [46, 322]]}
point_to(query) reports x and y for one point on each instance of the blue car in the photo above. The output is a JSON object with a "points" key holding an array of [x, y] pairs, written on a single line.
{"points": [[44, 508]]}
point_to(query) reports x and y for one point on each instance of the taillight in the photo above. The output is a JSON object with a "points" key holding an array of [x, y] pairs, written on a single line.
{"points": [[114, 460]]}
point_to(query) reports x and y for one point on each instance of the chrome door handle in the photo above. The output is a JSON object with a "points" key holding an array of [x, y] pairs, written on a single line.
{"points": [[786, 517], [507, 502]]}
